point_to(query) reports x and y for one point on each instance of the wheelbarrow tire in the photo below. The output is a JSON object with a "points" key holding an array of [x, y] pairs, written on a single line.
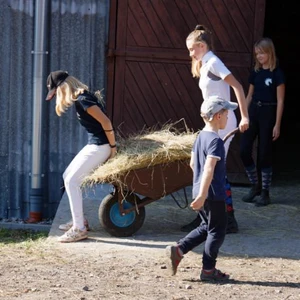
{"points": [[117, 225]]}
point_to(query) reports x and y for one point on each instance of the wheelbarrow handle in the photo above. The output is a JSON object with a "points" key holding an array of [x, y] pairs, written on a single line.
{"points": [[229, 134]]}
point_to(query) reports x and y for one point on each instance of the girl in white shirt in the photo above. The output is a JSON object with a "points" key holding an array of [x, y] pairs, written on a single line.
{"points": [[215, 80]]}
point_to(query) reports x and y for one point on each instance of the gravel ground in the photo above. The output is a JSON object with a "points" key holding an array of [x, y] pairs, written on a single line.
{"points": [[262, 259]]}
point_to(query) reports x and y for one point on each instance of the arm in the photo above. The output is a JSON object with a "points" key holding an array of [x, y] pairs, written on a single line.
{"points": [[279, 112], [192, 160], [250, 94], [206, 179], [97, 114], [240, 95]]}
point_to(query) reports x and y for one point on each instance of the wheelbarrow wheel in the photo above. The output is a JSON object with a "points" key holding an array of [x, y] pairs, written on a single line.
{"points": [[116, 224]]}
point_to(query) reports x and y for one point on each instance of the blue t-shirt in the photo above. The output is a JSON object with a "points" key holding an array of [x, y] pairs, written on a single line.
{"points": [[265, 83], [209, 144], [96, 134]]}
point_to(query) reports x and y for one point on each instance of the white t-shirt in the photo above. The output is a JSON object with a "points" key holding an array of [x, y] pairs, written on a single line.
{"points": [[211, 71], [212, 74]]}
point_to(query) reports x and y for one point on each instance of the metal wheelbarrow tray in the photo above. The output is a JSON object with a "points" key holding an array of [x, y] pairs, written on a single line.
{"points": [[122, 212]]}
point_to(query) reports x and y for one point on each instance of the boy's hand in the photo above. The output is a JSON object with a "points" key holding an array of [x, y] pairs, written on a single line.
{"points": [[198, 203]]}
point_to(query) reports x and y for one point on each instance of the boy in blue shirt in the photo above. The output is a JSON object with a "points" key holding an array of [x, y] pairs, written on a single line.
{"points": [[209, 171]]}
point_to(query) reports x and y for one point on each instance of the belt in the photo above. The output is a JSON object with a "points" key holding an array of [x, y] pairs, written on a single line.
{"points": [[259, 103]]}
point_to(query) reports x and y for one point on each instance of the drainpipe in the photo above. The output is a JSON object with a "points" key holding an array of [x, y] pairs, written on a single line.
{"points": [[39, 58]]}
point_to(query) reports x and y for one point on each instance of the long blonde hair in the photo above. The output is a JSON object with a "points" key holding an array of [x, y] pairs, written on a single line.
{"points": [[67, 93], [265, 45], [199, 35]]}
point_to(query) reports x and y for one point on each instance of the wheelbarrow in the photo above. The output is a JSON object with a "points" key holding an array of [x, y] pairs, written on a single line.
{"points": [[122, 212]]}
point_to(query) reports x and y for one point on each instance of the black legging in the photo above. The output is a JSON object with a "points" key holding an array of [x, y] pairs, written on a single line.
{"points": [[262, 121]]}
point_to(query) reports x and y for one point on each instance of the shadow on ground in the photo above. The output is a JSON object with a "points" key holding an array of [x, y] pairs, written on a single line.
{"points": [[271, 231]]}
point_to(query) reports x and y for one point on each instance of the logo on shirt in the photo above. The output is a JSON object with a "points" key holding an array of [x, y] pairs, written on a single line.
{"points": [[268, 81], [213, 76]]}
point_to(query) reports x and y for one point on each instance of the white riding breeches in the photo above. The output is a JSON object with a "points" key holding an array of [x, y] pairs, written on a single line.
{"points": [[89, 157], [231, 125]]}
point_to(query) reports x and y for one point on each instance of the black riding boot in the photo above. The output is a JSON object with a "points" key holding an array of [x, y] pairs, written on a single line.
{"points": [[232, 225], [264, 198], [254, 191]]}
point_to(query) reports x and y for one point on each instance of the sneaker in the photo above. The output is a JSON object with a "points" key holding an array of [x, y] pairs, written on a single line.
{"points": [[232, 225], [254, 191], [191, 226], [215, 275], [175, 258], [73, 235], [264, 198], [68, 225]]}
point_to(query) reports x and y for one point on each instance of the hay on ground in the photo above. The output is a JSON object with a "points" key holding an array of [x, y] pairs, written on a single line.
{"points": [[143, 151]]}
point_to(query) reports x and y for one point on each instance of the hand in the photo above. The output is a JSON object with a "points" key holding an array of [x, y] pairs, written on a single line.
{"points": [[244, 124], [198, 203], [276, 133], [113, 152]]}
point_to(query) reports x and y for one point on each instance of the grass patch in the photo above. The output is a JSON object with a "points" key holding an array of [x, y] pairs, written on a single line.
{"points": [[16, 236]]}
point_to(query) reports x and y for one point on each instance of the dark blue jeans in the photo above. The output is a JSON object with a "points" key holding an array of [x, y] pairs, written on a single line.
{"points": [[212, 231]]}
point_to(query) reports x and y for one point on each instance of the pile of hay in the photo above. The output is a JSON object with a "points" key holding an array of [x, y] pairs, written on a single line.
{"points": [[142, 151]]}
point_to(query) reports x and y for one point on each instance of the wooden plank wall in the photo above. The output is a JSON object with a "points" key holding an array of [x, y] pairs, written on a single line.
{"points": [[149, 78]]}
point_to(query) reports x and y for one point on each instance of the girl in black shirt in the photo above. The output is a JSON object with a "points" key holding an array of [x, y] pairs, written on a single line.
{"points": [[101, 144], [265, 100]]}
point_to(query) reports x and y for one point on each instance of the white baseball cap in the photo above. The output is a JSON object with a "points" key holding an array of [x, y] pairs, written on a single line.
{"points": [[214, 104]]}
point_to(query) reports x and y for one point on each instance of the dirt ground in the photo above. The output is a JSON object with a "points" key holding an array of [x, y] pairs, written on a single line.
{"points": [[55, 271], [262, 259]]}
